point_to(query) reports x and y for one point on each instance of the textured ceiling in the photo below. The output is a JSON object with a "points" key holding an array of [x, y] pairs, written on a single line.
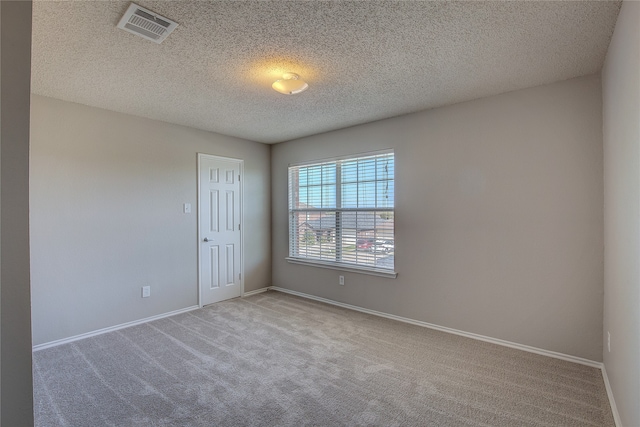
{"points": [[363, 61]]}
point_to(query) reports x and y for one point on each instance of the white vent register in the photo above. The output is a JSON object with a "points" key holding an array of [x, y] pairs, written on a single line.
{"points": [[147, 24]]}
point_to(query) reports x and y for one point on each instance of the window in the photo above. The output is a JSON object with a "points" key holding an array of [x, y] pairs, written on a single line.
{"points": [[341, 213]]}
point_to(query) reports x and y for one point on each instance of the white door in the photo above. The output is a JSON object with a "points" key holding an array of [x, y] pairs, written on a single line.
{"points": [[219, 205]]}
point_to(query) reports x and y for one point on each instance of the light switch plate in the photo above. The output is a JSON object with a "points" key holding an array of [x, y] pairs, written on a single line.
{"points": [[186, 208]]}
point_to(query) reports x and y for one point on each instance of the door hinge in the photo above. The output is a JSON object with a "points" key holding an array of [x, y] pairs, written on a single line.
{"points": [[240, 276], [238, 178], [238, 227]]}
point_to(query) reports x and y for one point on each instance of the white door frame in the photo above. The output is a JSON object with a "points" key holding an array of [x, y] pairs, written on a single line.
{"points": [[241, 171]]}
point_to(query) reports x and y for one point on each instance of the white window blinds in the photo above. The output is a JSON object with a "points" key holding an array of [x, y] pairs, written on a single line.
{"points": [[342, 212]]}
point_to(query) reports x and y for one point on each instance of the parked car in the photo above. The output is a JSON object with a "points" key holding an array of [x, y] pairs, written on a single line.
{"points": [[364, 244], [385, 245], [376, 246]]}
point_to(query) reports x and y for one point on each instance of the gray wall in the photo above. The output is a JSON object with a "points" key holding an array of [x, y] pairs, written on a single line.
{"points": [[106, 216], [16, 390], [499, 218], [621, 125]]}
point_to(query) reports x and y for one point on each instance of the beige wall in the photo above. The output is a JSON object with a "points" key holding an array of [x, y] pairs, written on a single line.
{"points": [[621, 125], [16, 391], [499, 220], [106, 216]]}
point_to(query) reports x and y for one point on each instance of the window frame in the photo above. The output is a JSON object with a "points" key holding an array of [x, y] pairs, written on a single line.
{"points": [[292, 223]]}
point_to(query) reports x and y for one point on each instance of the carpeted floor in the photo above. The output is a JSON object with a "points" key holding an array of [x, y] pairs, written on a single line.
{"points": [[278, 360]]}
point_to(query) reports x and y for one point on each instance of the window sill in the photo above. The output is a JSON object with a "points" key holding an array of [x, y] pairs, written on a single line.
{"points": [[344, 267]]}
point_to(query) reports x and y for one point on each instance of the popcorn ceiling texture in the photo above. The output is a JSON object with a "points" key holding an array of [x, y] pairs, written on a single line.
{"points": [[364, 61]]}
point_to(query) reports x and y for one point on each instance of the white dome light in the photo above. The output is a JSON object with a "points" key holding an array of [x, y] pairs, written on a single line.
{"points": [[290, 84]]}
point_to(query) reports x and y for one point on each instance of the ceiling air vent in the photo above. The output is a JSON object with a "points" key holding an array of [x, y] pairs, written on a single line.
{"points": [[147, 24]]}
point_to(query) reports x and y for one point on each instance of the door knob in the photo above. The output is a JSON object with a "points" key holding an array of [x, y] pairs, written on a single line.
{"points": [[207, 240]]}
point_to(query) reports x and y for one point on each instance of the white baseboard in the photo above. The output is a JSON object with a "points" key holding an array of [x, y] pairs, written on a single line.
{"points": [[111, 328], [256, 292], [612, 402], [128, 324], [504, 343]]}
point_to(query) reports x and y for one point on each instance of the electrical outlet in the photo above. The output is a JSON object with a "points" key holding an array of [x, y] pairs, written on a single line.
{"points": [[609, 341], [341, 280], [146, 291]]}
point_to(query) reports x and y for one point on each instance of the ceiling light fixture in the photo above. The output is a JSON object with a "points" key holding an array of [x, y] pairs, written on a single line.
{"points": [[290, 84]]}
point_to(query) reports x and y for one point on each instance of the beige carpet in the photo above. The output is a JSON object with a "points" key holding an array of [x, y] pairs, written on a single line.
{"points": [[278, 360]]}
